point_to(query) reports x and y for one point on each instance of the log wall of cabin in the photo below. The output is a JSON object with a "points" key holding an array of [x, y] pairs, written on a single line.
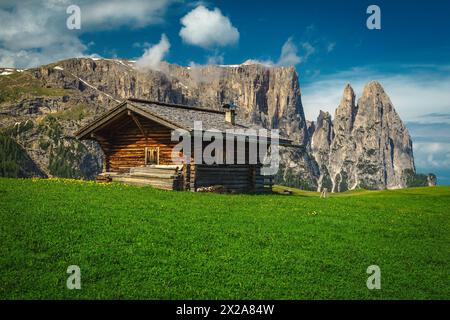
{"points": [[236, 157], [124, 143], [239, 176], [236, 178]]}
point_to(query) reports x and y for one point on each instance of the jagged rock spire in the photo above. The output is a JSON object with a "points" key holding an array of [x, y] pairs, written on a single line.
{"points": [[346, 111], [348, 97], [370, 146]]}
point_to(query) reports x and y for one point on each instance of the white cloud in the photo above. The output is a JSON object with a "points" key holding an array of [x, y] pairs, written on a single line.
{"points": [[413, 93], [289, 55], [433, 155], [208, 28], [34, 32], [33, 58], [431, 142], [217, 58], [154, 55], [114, 13]]}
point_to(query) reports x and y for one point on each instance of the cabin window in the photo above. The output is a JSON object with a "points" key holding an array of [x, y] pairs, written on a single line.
{"points": [[151, 155]]}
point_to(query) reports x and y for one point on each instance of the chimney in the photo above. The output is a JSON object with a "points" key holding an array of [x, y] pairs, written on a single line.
{"points": [[230, 113]]}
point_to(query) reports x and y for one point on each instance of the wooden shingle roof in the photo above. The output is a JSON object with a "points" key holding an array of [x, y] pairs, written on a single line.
{"points": [[170, 115], [184, 116]]}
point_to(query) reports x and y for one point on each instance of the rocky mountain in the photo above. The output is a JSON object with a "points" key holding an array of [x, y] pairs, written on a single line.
{"points": [[366, 145], [321, 140]]}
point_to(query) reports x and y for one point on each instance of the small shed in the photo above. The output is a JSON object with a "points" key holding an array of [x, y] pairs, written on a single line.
{"points": [[136, 139]]}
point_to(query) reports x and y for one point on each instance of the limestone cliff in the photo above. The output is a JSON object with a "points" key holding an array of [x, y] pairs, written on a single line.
{"points": [[320, 147], [371, 147]]}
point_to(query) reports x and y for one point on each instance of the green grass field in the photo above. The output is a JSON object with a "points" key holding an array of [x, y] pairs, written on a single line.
{"points": [[141, 243]]}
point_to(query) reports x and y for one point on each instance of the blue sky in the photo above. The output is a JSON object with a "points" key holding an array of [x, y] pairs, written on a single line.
{"points": [[326, 40], [412, 33]]}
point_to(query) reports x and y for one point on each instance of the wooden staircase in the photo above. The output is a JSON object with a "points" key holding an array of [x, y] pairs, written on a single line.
{"points": [[167, 177]]}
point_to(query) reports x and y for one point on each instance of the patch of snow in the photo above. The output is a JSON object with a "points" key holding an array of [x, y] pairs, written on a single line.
{"points": [[250, 62], [246, 63], [58, 68], [122, 63], [5, 73], [183, 85], [230, 65]]}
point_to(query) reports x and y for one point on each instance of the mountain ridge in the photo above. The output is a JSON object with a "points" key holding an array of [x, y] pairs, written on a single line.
{"points": [[62, 96]]}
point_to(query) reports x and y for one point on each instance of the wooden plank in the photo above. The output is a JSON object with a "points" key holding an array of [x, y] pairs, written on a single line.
{"points": [[153, 175]]}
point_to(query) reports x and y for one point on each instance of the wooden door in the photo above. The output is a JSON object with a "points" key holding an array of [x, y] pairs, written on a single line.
{"points": [[151, 155]]}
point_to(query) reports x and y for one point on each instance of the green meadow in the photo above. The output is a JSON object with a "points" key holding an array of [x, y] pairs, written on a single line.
{"points": [[142, 243]]}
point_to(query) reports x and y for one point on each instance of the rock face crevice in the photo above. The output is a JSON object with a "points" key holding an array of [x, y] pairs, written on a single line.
{"points": [[366, 144]]}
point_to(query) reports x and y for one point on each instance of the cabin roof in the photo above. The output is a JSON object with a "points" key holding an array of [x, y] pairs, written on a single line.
{"points": [[170, 115], [184, 116]]}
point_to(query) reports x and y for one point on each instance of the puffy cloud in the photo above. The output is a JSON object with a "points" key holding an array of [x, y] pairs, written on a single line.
{"points": [[431, 144], [154, 55], [114, 13], [208, 28], [34, 32], [289, 54], [434, 155]]}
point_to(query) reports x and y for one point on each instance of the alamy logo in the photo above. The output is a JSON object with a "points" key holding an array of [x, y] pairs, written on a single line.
{"points": [[74, 20], [234, 146], [374, 20], [374, 280], [74, 280]]}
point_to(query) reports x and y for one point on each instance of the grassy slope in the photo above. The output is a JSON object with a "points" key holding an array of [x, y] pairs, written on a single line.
{"points": [[143, 243], [14, 86]]}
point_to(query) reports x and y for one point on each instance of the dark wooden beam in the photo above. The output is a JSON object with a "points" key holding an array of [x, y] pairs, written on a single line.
{"points": [[136, 121]]}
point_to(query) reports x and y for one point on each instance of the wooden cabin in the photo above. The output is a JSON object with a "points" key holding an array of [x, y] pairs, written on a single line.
{"points": [[136, 139]]}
